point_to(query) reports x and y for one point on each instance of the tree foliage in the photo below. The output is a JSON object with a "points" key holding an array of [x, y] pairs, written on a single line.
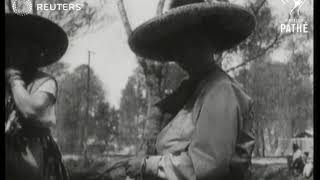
{"points": [[263, 39], [75, 127], [133, 109], [283, 98]]}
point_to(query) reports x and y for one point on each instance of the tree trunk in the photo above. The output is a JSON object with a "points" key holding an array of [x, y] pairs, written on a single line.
{"points": [[258, 145], [263, 145], [10, 6], [81, 143], [34, 7], [292, 127], [154, 116], [160, 7], [124, 17]]}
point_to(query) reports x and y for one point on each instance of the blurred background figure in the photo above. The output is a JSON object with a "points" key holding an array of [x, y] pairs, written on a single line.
{"points": [[297, 159], [308, 167]]}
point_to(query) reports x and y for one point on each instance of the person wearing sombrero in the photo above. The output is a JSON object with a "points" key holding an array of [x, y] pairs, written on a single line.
{"points": [[209, 135], [31, 153]]}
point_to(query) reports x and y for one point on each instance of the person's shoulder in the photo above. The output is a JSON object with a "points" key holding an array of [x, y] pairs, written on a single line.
{"points": [[225, 85], [216, 79], [42, 79], [43, 75], [218, 85], [221, 82]]}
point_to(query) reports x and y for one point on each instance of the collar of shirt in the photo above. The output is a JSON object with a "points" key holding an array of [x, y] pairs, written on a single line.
{"points": [[188, 87]]}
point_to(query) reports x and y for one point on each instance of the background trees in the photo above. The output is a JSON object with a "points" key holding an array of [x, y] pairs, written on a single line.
{"points": [[283, 104], [73, 128]]}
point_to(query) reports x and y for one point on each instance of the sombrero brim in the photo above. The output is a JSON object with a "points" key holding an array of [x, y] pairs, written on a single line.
{"points": [[225, 24], [36, 30]]}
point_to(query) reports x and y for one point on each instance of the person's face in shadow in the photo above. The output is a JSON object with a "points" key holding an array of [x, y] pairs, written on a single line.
{"points": [[19, 57], [195, 53]]}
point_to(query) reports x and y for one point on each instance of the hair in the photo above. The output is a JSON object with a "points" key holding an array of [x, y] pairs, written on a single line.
{"points": [[295, 146]]}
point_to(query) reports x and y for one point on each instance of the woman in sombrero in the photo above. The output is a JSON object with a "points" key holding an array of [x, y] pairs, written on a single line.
{"points": [[208, 136], [31, 153]]}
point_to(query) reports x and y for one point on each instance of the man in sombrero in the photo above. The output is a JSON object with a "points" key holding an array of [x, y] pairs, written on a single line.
{"points": [[31, 153], [208, 137]]}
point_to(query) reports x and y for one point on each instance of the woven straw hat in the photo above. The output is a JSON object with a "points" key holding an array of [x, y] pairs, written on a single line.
{"points": [[45, 40], [225, 25]]}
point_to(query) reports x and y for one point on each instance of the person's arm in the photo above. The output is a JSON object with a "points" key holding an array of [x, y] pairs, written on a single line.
{"points": [[32, 106], [212, 144]]}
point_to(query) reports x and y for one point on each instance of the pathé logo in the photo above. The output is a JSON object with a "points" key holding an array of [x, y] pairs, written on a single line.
{"points": [[295, 7]]}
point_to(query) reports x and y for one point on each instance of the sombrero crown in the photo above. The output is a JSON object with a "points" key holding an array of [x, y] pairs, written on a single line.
{"points": [[45, 40], [178, 3], [225, 25]]}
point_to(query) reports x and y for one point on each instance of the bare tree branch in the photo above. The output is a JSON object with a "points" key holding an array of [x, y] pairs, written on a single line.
{"points": [[256, 9], [10, 6], [160, 7], [34, 7], [124, 17], [148, 70], [128, 28], [271, 45]]}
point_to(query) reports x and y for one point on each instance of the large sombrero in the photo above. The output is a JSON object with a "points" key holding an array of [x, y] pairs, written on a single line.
{"points": [[224, 24], [47, 41]]}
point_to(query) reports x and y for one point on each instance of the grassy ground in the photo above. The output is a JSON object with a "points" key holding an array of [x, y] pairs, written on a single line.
{"points": [[259, 171], [272, 172]]}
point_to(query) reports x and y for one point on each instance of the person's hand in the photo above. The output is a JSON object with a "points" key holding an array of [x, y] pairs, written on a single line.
{"points": [[135, 166], [12, 74]]}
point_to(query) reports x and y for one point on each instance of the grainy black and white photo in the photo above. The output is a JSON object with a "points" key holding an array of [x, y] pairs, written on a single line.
{"points": [[159, 89]]}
